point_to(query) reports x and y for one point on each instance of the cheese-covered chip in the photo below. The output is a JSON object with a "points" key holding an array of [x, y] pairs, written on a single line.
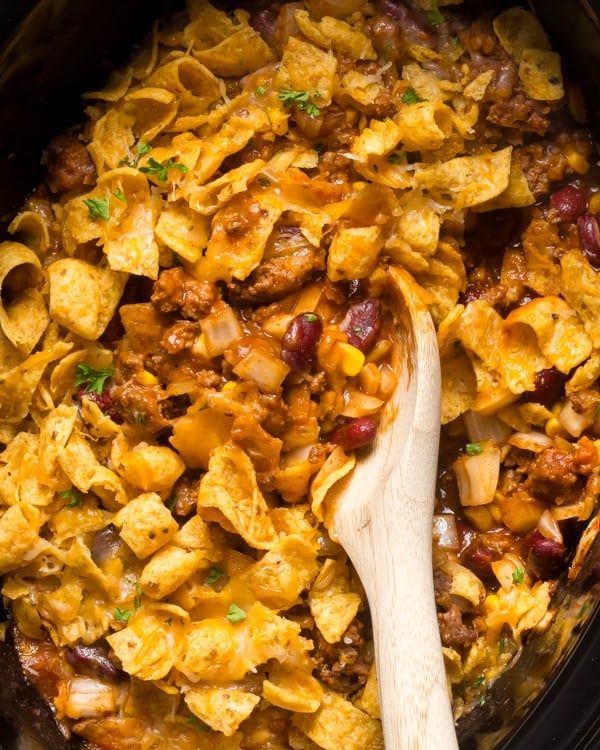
{"points": [[331, 602], [84, 296], [19, 527], [518, 29], [169, 569], [305, 67], [146, 525], [338, 724], [424, 125], [579, 286], [331, 33], [541, 75], [147, 648], [223, 709], [337, 465], [293, 688], [353, 252], [230, 486], [151, 467], [369, 698], [238, 54]]}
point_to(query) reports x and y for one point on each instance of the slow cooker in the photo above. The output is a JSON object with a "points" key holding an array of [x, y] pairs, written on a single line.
{"points": [[53, 50]]}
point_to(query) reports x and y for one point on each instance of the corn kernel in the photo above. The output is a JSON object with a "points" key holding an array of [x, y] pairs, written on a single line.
{"points": [[553, 427], [351, 359], [594, 204], [359, 184], [229, 386], [495, 512], [491, 602], [577, 161], [147, 378], [369, 379]]}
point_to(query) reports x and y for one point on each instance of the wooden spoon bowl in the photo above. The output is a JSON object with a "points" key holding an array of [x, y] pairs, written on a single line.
{"points": [[383, 517]]}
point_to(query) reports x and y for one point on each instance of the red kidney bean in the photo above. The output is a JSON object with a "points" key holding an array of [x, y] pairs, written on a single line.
{"points": [[362, 323], [569, 202], [479, 559], [105, 544], [94, 662], [548, 387], [589, 239], [264, 21], [544, 557], [300, 341], [357, 433]]}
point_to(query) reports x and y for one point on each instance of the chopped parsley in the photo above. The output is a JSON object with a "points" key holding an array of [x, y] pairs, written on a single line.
{"points": [[122, 615], [143, 148], [597, 411], [139, 417], [161, 170], [479, 681], [454, 41], [235, 614], [72, 496], [260, 91], [434, 16], [213, 576], [92, 380], [518, 575], [120, 195], [98, 207], [194, 721], [310, 317], [481, 701], [502, 645], [473, 449], [137, 602], [410, 96], [301, 100], [264, 182], [396, 158]]}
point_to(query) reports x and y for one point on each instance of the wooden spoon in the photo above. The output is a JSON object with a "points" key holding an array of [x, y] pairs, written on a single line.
{"points": [[383, 517]]}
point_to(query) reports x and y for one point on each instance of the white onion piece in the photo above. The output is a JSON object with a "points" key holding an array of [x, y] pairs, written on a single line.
{"points": [[503, 569], [548, 527], [477, 477], [481, 428], [573, 422], [531, 441], [88, 698], [358, 404], [297, 455], [220, 330], [445, 532], [265, 370]]}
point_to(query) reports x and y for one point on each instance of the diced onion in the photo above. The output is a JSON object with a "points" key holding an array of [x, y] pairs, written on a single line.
{"points": [[503, 569], [477, 477], [548, 527], [220, 330], [481, 427], [265, 370], [535, 442], [573, 422], [358, 404], [88, 698], [445, 532]]}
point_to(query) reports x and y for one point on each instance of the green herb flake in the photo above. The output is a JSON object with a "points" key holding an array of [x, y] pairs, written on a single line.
{"points": [[502, 645], [214, 574], [478, 682], [597, 411], [454, 41], [311, 317], [396, 158], [139, 417], [171, 502], [473, 449], [122, 615], [264, 182], [235, 614], [72, 496], [143, 148], [518, 576], [98, 207], [300, 100], [195, 722], [584, 610], [92, 380], [434, 16], [161, 170], [120, 195], [481, 701], [137, 602], [410, 96], [260, 91]]}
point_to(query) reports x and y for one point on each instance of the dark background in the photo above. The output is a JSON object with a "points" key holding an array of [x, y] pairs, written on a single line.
{"points": [[52, 50]]}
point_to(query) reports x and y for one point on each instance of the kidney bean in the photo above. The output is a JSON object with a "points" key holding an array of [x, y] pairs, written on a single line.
{"points": [[300, 341], [105, 544], [569, 202], [362, 323], [594, 574], [479, 559], [94, 662], [357, 433], [589, 239], [264, 21], [548, 387], [544, 557]]}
